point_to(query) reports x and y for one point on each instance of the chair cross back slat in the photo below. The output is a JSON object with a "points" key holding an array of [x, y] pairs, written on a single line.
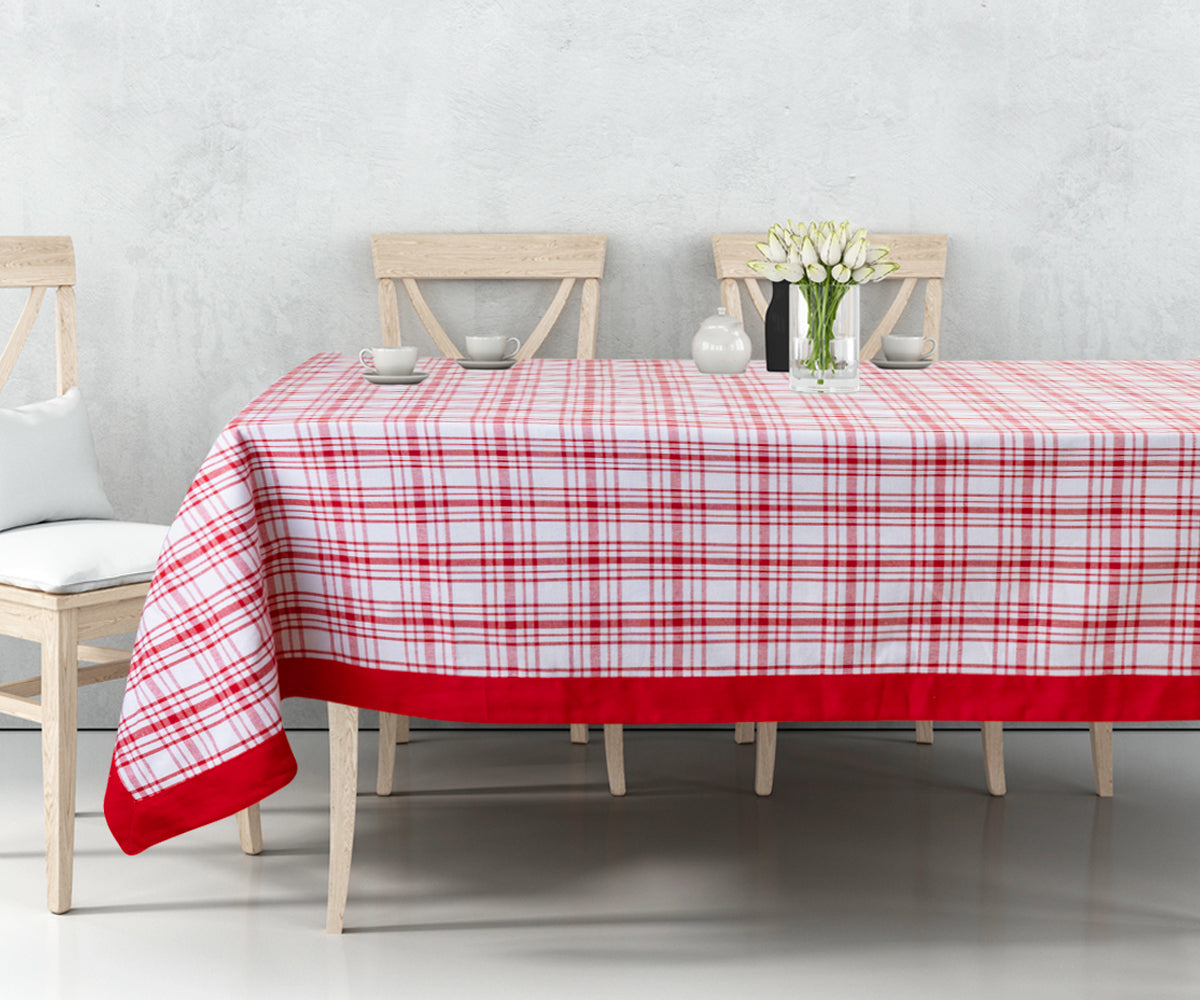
{"points": [[413, 257], [38, 263], [920, 256]]}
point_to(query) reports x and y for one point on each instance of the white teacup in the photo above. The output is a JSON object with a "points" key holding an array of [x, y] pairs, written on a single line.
{"points": [[491, 347], [902, 347], [389, 360]]}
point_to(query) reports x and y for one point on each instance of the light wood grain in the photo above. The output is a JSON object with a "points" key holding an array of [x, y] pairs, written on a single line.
{"points": [[924, 732], [757, 297], [249, 826], [731, 298], [764, 758], [59, 723], [993, 756], [19, 706], [589, 309], [549, 318], [579, 732], [389, 313], [614, 758], [933, 313], [488, 255], [1102, 757], [343, 803], [890, 318], [388, 725], [19, 620], [20, 334], [64, 339], [27, 261], [31, 687], [743, 732], [919, 255], [567, 257]]}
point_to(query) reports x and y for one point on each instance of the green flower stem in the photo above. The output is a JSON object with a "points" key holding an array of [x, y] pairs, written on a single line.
{"points": [[823, 301]]}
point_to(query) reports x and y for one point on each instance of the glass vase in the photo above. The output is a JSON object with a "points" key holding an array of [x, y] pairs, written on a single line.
{"points": [[823, 347]]}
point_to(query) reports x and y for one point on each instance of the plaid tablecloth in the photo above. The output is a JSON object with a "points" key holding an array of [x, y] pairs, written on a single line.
{"points": [[633, 541]]}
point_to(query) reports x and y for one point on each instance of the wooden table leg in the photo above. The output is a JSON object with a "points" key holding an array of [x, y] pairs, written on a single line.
{"points": [[993, 756], [1102, 757], [343, 800], [60, 700], [614, 757], [579, 732], [764, 758], [249, 824], [924, 731], [743, 732]]}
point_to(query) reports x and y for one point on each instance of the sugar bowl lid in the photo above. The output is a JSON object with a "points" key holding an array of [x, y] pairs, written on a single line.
{"points": [[721, 321]]}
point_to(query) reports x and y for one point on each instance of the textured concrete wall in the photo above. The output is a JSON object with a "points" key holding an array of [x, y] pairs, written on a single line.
{"points": [[220, 165]]}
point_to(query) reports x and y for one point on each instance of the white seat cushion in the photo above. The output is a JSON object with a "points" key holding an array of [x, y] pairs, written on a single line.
{"points": [[68, 557]]}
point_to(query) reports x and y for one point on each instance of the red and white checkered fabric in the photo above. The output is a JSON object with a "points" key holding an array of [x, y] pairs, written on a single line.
{"points": [[633, 541]]}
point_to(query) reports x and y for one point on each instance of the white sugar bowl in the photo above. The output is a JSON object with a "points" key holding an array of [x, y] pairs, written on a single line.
{"points": [[721, 346]]}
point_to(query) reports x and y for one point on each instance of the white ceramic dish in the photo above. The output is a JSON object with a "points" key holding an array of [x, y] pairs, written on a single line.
{"points": [[486, 366], [902, 365], [411, 379]]}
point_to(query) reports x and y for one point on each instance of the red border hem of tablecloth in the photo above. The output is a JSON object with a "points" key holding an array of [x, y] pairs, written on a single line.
{"points": [[209, 796], [236, 784], [682, 700]]}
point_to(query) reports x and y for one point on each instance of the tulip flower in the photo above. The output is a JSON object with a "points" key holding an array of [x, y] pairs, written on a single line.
{"points": [[856, 253], [774, 249], [808, 251]]}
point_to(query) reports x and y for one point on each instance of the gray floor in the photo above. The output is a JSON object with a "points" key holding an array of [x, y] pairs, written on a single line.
{"points": [[503, 868]]}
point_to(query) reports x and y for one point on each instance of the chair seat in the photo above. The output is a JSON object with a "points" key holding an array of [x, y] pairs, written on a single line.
{"points": [[69, 557]]}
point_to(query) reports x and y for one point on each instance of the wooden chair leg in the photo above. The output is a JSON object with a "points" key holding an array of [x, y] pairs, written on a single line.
{"points": [[343, 801], [993, 756], [387, 753], [393, 729], [1102, 758], [764, 758], [249, 824], [743, 732], [579, 732], [614, 757], [924, 731], [60, 699]]}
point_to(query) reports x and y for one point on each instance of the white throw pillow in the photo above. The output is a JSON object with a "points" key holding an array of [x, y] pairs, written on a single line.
{"points": [[48, 467]]}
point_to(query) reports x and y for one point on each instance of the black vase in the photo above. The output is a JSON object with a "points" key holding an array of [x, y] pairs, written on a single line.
{"points": [[777, 326]]}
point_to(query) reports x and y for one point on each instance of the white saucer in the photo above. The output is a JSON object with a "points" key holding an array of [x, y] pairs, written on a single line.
{"points": [[412, 379], [486, 366], [902, 365]]}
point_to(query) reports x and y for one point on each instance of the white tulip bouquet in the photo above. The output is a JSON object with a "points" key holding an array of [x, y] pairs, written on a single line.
{"points": [[823, 259]]}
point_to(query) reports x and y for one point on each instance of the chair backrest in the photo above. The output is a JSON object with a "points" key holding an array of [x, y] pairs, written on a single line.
{"points": [[410, 257], [919, 256], [38, 263]]}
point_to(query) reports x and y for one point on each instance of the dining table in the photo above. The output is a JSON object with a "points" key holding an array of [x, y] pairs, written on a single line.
{"points": [[633, 541]]}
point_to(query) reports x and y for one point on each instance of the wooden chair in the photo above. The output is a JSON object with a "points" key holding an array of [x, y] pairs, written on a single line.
{"points": [[921, 257], [410, 258], [66, 620]]}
